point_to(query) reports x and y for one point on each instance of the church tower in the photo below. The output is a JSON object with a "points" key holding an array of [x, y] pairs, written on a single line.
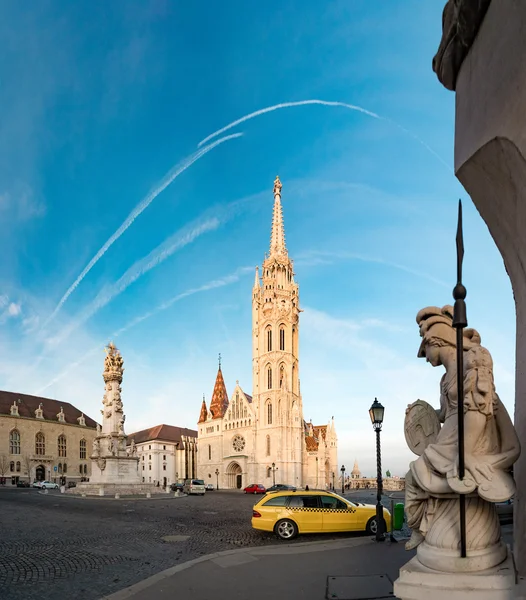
{"points": [[275, 364]]}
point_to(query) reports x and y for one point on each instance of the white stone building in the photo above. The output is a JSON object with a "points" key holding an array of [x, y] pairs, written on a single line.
{"points": [[263, 437], [167, 454]]}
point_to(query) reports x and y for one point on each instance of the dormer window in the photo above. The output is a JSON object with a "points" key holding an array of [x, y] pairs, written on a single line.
{"points": [[39, 413], [61, 416], [14, 409], [81, 420]]}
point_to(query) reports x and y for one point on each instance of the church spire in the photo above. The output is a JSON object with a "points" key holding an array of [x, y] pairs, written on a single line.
{"points": [[256, 281], [277, 236], [219, 401], [204, 412]]}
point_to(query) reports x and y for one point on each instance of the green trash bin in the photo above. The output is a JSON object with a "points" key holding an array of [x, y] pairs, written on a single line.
{"points": [[398, 516]]}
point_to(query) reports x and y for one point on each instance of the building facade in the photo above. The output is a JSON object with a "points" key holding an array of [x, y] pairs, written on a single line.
{"points": [[167, 454], [263, 438], [43, 439]]}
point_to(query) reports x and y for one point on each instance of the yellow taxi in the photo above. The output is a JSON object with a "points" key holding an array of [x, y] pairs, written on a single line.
{"points": [[289, 513]]}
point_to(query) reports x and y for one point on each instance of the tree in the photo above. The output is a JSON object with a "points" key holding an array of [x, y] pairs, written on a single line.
{"points": [[26, 465], [4, 465], [388, 473]]}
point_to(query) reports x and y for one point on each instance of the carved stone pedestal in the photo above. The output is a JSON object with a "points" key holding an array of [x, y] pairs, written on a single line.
{"points": [[417, 582]]}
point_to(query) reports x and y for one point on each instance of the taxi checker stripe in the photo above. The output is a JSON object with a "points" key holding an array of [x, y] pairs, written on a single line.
{"points": [[333, 510]]}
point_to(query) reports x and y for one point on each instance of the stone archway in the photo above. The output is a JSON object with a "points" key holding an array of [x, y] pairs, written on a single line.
{"points": [[40, 473], [234, 476]]}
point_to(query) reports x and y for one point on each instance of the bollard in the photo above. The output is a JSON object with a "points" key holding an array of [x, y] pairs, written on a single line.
{"points": [[101, 491], [148, 495], [117, 496]]}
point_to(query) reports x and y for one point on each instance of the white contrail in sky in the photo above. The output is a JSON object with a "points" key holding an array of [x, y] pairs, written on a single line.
{"points": [[211, 285], [364, 111], [143, 205]]}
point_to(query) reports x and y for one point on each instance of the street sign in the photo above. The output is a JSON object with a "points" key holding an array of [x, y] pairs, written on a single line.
{"points": [[54, 468]]}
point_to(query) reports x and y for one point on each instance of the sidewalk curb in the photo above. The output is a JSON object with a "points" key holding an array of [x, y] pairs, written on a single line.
{"points": [[130, 591], [160, 496]]}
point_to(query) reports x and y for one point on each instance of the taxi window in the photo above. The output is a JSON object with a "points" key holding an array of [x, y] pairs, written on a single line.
{"points": [[278, 501], [304, 502], [331, 502]]}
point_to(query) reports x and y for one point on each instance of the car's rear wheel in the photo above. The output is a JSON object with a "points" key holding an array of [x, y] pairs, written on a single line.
{"points": [[43, 487], [286, 529], [372, 526]]}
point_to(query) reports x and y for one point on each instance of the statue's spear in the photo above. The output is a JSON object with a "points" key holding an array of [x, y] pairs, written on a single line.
{"points": [[459, 322]]}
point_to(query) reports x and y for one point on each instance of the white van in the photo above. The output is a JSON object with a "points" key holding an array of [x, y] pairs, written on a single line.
{"points": [[194, 486]]}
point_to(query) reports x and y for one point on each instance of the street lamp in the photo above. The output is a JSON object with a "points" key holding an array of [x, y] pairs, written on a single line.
{"points": [[217, 479], [343, 478], [274, 469], [376, 412], [333, 488]]}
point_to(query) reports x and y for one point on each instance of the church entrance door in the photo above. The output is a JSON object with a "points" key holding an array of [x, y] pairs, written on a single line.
{"points": [[40, 473], [234, 476]]}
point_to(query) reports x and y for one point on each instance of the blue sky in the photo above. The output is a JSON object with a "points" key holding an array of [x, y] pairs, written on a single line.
{"points": [[103, 107]]}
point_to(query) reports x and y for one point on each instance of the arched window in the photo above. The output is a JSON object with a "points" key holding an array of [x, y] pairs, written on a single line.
{"points": [[245, 412], [269, 338], [293, 377], [269, 471], [12, 466], [14, 442], [85, 469], [294, 341], [18, 466], [60, 468], [82, 448], [61, 446], [268, 445], [40, 444], [269, 413], [65, 468], [209, 452], [269, 378], [80, 469], [281, 375], [282, 338]]}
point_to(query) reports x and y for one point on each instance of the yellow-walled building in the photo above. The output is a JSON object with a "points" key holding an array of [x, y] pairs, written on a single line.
{"points": [[43, 439]]}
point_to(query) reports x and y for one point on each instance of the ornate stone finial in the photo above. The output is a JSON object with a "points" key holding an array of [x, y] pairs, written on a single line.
{"points": [[39, 412], [61, 416], [14, 409], [220, 361], [277, 186], [113, 363]]}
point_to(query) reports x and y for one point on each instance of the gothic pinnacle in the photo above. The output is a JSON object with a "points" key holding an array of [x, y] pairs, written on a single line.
{"points": [[277, 237]]}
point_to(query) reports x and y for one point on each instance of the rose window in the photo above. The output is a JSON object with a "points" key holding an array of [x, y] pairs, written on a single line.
{"points": [[238, 443]]}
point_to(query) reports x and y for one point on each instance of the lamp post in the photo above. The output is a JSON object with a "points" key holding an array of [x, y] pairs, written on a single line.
{"points": [[333, 488], [343, 478], [217, 479], [376, 412], [274, 469]]}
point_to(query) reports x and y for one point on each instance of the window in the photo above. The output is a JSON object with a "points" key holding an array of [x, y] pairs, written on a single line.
{"points": [[14, 442], [65, 468], [149, 447], [268, 445], [143, 467], [149, 467], [60, 468], [269, 378], [333, 503], [164, 456], [18, 466], [281, 375], [269, 339], [143, 457], [164, 447], [304, 502], [61, 445], [164, 467], [269, 413], [12, 466], [85, 469], [82, 448], [149, 457], [278, 501], [282, 338], [80, 469], [40, 444], [209, 452]]}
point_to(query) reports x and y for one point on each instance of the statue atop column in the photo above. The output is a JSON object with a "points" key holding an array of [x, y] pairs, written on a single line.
{"points": [[491, 447]]}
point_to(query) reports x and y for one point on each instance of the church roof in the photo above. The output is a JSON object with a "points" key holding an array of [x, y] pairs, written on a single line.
{"points": [[204, 413], [320, 430], [27, 405], [165, 433], [311, 443], [249, 398], [219, 402]]}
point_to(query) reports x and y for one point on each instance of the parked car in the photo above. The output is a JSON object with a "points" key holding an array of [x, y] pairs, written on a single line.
{"points": [[45, 485], [255, 488], [209, 487], [194, 486], [280, 487], [22, 484], [289, 513], [176, 486]]}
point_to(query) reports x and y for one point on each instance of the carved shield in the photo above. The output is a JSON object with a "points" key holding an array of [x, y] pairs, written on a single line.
{"points": [[421, 426]]}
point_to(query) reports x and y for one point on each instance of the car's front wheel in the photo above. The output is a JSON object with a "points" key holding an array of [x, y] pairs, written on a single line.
{"points": [[286, 529], [43, 487], [372, 526]]}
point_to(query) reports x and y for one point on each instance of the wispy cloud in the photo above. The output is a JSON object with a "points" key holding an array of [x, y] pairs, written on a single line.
{"points": [[9, 309], [143, 205], [211, 285], [354, 107], [322, 257]]}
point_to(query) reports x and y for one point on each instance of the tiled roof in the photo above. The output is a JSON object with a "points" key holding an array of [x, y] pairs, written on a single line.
{"points": [[249, 398], [219, 402], [166, 433], [27, 405], [320, 430], [204, 413], [311, 443]]}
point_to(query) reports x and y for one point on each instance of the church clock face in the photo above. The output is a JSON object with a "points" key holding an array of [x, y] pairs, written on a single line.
{"points": [[238, 443]]}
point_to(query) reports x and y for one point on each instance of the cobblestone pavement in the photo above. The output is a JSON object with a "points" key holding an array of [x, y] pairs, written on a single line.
{"points": [[52, 546]]}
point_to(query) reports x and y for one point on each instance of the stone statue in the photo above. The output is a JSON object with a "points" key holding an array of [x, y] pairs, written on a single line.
{"points": [[96, 446], [121, 426], [491, 448], [98, 429], [113, 363]]}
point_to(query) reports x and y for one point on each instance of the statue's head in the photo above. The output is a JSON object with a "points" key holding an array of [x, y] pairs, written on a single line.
{"points": [[438, 333]]}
